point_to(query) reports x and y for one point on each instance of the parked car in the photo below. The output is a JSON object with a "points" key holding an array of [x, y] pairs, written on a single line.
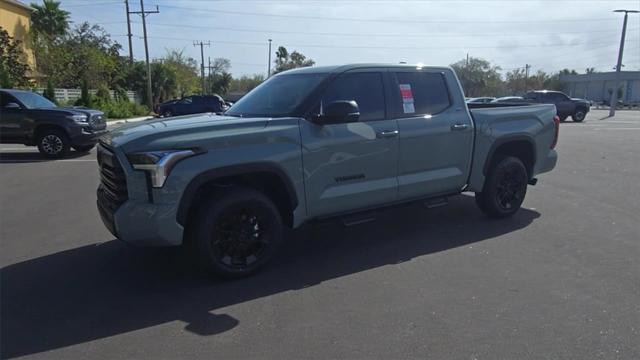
{"points": [[314, 143], [565, 106], [480, 100], [31, 119], [192, 105], [509, 99]]}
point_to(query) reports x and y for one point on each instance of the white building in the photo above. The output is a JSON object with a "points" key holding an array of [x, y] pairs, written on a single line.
{"points": [[599, 86]]}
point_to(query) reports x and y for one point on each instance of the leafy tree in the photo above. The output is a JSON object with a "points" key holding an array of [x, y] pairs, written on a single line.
{"points": [[246, 83], [49, 92], [590, 70], [478, 77], [186, 70], [12, 69], [219, 83], [285, 61], [164, 83], [49, 20], [219, 79]]}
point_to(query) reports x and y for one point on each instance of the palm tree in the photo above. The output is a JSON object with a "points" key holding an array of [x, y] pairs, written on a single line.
{"points": [[49, 20]]}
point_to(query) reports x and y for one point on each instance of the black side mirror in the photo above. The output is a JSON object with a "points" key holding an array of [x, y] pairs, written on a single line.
{"points": [[13, 106], [341, 111]]}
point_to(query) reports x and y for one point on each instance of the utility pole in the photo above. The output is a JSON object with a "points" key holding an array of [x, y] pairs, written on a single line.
{"points": [[202, 44], [126, 4], [269, 61], [146, 49], [467, 64], [526, 76], [614, 93]]}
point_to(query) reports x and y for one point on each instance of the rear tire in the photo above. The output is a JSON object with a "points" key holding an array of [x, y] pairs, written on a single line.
{"points": [[235, 233], [504, 189], [53, 143], [579, 115]]}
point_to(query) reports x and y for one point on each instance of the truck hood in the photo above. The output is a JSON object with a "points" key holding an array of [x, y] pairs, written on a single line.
{"points": [[194, 130]]}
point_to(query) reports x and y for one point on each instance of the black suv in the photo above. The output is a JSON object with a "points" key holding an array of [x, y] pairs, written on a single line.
{"points": [[192, 105], [565, 106], [30, 119]]}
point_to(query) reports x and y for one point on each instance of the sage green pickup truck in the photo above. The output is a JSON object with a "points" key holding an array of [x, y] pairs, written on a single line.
{"points": [[316, 143]]}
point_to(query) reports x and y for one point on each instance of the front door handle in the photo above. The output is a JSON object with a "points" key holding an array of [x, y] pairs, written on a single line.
{"points": [[458, 127], [387, 134]]}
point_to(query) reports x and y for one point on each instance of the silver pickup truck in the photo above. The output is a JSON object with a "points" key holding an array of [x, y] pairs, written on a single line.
{"points": [[315, 143]]}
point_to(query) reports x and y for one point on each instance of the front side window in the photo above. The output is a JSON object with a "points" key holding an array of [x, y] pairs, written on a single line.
{"points": [[277, 97], [34, 101], [365, 89], [6, 99], [422, 93], [187, 100]]}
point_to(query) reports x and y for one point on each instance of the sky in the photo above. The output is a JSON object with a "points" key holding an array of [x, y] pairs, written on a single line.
{"points": [[547, 34]]}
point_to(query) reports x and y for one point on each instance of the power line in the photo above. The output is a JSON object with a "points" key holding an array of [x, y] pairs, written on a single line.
{"points": [[391, 47], [398, 35], [404, 21]]}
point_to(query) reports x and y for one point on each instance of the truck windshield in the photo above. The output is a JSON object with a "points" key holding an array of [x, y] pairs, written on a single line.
{"points": [[33, 100], [277, 97]]}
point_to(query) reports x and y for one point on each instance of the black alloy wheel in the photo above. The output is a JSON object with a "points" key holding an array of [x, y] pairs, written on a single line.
{"points": [[53, 143], [235, 232], [504, 189]]}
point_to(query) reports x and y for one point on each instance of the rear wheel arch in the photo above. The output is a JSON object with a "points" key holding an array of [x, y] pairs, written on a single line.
{"points": [[522, 147], [269, 179]]}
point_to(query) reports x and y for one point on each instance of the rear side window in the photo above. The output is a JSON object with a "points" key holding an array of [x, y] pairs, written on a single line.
{"points": [[422, 93], [365, 88]]}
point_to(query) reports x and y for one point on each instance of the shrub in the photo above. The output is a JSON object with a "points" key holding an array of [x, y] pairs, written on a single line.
{"points": [[49, 93], [85, 98]]}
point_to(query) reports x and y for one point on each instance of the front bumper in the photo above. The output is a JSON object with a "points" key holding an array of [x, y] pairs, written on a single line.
{"points": [[83, 136], [144, 224], [127, 208]]}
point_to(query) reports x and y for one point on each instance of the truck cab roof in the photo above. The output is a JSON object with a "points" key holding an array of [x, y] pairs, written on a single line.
{"points": [[348, 67]]}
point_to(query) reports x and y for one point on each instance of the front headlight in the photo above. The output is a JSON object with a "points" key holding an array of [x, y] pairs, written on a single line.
{"points": [[81, 119], [158, 163]]}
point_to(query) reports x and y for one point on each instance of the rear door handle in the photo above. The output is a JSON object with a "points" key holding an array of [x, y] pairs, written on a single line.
{"points": [[387, 134], [458, 127]]}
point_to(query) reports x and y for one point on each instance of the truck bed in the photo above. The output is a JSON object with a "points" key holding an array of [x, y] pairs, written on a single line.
{"points": [[503, 122]]}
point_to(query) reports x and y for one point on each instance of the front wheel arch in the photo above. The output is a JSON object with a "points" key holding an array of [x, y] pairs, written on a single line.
{"points": [[279, 187]]}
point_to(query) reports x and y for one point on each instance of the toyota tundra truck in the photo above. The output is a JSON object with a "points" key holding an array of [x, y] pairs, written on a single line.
{"points": [[316, 143]]}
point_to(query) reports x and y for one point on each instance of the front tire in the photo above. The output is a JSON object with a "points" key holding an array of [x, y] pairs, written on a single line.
{"points": [[235, 233], [579, 115], [167, 113], [504, 189], [53, 143]]}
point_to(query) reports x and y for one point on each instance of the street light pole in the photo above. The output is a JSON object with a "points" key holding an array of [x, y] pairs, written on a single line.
{"points": [[269, 61], [614, 94]]}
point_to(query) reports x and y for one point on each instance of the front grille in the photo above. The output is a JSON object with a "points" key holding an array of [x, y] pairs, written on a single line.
{"points": [[112, 191], [98, 122]]}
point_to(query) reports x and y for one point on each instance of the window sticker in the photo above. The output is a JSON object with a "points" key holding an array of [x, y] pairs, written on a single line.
{"points": [[407, 99]]}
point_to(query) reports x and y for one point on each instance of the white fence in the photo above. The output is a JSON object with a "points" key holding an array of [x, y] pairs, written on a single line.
{"points": [[67, 95]]}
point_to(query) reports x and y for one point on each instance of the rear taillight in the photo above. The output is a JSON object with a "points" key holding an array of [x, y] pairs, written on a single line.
{"points": [[556, 122]]}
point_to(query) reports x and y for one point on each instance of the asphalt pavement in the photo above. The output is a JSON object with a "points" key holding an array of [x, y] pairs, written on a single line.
{"points": [[560, 280]]}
